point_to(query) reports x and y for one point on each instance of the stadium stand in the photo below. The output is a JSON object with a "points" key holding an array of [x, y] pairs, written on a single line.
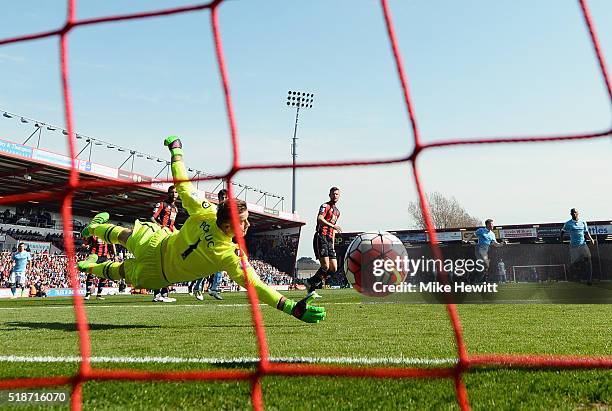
{"points": [[50, 271], [47, 269], [274, 232]]}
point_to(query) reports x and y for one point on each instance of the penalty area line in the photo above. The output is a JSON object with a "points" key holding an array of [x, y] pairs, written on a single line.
{"points": [[229, 361]]}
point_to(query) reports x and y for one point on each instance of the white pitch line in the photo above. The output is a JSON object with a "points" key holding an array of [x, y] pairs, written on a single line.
{"points": [[167, 305], [235, 360], [601, 300]]}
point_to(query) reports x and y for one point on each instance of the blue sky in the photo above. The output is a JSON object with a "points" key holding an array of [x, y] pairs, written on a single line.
{"points": [[475, 69]]}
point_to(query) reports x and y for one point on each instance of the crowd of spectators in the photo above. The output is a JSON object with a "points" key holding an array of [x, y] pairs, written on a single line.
{"points": [[269, 274], [48, 270], [279, 250], [51, 271]]}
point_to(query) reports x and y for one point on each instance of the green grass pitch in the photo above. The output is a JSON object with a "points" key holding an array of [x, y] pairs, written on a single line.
{"points": [[132, 327]]}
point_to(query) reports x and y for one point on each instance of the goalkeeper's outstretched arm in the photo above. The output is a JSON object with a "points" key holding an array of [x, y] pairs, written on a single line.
{"points": [[191, 200], [301, 309]]}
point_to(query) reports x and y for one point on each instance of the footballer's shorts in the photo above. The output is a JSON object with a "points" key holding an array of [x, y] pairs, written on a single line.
{"points": [[17, 277], [323, 246], [482, 253], [145, 269], [579, 252]]}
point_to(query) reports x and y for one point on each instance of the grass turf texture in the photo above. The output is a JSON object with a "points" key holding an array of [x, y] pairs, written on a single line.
{"points": [[132, 326]]}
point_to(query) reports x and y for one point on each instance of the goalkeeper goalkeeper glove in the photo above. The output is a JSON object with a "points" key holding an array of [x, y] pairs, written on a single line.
{"points": [[174, 145], [304, 311]]}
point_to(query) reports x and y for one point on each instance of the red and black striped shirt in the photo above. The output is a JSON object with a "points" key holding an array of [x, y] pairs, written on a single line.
{"points": [[166, 214], [96, 246], [331, 214]]}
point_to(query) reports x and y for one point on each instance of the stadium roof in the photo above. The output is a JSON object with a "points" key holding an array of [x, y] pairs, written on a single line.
{"points": [[26, 169]]}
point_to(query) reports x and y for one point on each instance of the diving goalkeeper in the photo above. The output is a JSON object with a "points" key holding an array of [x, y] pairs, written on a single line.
{"points": [[203, 245]]}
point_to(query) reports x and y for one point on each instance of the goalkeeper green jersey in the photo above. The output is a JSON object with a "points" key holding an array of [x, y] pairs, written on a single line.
{"points": [[201, 248]]}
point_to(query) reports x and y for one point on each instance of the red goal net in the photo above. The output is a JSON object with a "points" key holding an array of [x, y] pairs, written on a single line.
{"points": [[466, 361]]}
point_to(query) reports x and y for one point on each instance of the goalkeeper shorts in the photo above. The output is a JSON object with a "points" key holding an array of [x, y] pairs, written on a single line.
{"points": [[145, 270]]}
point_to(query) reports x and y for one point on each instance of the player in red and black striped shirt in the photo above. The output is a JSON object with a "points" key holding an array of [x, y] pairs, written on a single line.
{"points": [[104, 251], [164, 214], [323, 241]]}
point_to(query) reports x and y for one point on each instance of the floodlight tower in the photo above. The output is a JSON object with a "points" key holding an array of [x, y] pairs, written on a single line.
{"points": [[297, 100]]}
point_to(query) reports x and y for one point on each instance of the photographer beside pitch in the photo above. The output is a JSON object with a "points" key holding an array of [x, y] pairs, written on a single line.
{"points": [[578, 249], [202, 245]]}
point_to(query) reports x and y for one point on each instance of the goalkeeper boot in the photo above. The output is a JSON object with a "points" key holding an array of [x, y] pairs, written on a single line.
{"points": [[100, 218], [87, 263], [313, 283]]}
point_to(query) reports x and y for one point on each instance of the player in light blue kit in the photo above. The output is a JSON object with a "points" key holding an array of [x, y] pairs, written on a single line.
{"points": [[23, 264], [486, 238], [579, 250]]}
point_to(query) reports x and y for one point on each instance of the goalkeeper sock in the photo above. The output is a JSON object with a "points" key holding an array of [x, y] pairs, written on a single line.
{"points": [[107, 269], [109, 233]]}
